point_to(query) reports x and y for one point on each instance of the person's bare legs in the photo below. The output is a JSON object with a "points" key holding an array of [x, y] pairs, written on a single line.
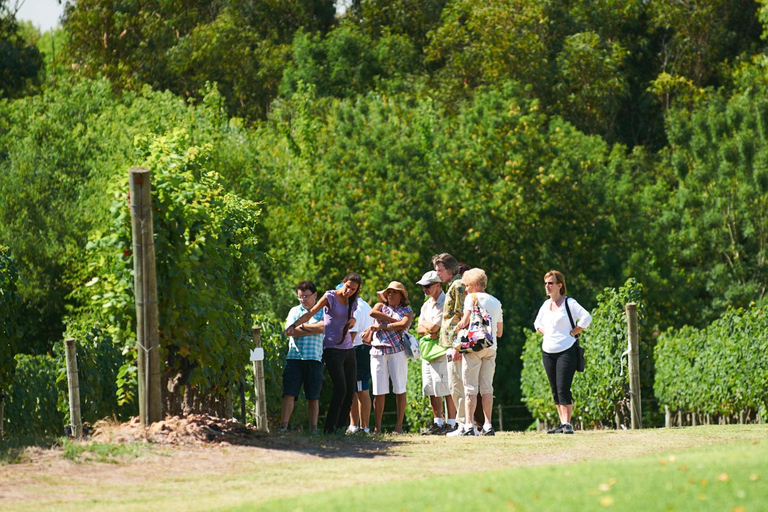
{"points": [[450, 408], [487, 407], [287, 410], [565, 412], [354, 412], [378, 412], [313, 411], [437, 406], [364, 399], [400, 401], [470, 403]]}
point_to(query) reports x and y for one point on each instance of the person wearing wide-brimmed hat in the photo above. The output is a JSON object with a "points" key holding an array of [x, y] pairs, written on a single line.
{"points": [[392, 317]]}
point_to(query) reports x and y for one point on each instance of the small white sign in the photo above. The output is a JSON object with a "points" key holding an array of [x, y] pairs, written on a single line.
{"points": [[257, 354]]}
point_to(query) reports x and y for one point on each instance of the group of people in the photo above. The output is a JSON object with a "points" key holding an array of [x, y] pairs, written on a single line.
{"points": [[363, 349]]}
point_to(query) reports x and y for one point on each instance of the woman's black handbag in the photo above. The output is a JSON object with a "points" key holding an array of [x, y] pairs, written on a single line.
{"points": [[581, 363]]}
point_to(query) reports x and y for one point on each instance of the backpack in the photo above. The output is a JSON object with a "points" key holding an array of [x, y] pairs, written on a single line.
{"points": [[479, 333]]}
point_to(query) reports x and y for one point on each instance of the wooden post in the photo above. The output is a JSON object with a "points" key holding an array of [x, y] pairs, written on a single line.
{"points": [[501, 418], [2, 414], [74, 388], [667, 417], [242, 402], [634, 367], [258, 384], [145, 284]]}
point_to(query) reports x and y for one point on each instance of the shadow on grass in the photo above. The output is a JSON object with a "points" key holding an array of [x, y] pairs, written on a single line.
{"points": [[333, 446], [12, 451]]}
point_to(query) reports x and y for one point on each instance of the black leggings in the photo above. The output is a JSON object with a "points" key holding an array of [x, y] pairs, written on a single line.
{"points": [[342, 367], [560, 368]]}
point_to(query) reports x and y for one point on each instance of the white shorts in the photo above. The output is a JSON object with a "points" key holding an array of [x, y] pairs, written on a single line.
{"points": [[434, 377], [384, 368]]}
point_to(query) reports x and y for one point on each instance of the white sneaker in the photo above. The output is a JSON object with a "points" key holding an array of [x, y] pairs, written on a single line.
{"points": [[458, 431]]}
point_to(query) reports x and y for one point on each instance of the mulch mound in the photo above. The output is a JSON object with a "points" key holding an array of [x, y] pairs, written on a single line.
{"points": [[180, 430]]}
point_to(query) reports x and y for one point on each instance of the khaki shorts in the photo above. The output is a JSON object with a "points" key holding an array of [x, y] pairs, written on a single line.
{"points": [[434, 377], [477, 369]]}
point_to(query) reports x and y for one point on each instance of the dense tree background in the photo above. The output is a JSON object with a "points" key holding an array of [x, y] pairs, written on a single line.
{"points": [[608, 139]]}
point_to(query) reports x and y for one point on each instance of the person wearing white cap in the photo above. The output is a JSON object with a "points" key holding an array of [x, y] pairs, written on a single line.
{"points": [[392, 317], [434, 373]]}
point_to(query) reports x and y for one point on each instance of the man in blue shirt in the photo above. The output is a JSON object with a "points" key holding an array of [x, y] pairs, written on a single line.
{"points": [[303, 366]]}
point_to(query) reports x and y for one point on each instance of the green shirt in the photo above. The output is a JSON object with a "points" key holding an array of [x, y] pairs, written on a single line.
{"points": [[453, 309]]}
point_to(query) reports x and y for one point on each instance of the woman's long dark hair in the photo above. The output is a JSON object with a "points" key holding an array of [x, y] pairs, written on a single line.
{"points": [[355, 278]]}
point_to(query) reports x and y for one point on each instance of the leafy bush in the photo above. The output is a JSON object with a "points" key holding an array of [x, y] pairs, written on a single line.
{"points": [[99, 361], [204, 241], [719, 370], [32, 402], [9, 306], [602, 391]]}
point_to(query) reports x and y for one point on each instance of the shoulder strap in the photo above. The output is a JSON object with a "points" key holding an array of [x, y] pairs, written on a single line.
{"points": [[568, 310]]}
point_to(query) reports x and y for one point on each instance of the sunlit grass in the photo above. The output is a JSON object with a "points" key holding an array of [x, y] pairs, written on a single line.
{"points": [[720, 477], [102, 452]]}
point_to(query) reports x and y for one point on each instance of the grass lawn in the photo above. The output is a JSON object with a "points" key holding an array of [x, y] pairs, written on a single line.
{"points": [[731, 477], [720, 468]]}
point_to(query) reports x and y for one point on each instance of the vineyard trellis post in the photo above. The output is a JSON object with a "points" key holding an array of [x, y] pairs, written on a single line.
{"points": [[145, 285], [257, 357], [73, 383], [634, 367]]}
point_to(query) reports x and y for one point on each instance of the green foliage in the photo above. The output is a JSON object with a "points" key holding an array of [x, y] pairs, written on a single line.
{"points": [[99, 360], [32, 400], [181, 46], [418, 411], [411, 20], [717, 213], [602, 391], [719, 370], [203, 241], [20, 60], [58, 152], [9, 324]]}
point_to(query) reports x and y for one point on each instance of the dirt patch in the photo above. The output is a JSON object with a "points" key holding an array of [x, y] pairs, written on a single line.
{"points": [[180, 430]]}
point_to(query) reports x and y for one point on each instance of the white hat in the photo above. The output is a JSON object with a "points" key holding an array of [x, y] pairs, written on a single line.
{"points": [[429, 278]]}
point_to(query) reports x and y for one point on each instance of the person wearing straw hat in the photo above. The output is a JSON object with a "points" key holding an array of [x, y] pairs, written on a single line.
{"points": [[392, 317], [434, 373]]}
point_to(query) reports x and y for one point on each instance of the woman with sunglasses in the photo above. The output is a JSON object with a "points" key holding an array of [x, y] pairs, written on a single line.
{"points": [[558, 348]]}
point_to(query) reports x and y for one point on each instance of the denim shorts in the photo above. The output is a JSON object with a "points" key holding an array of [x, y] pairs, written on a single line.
{"points": [[307, 373], [363, 355]]}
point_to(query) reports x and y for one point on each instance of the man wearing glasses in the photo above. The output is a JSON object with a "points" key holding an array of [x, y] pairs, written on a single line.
{"points": [[434, 373], [303, 366]]}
